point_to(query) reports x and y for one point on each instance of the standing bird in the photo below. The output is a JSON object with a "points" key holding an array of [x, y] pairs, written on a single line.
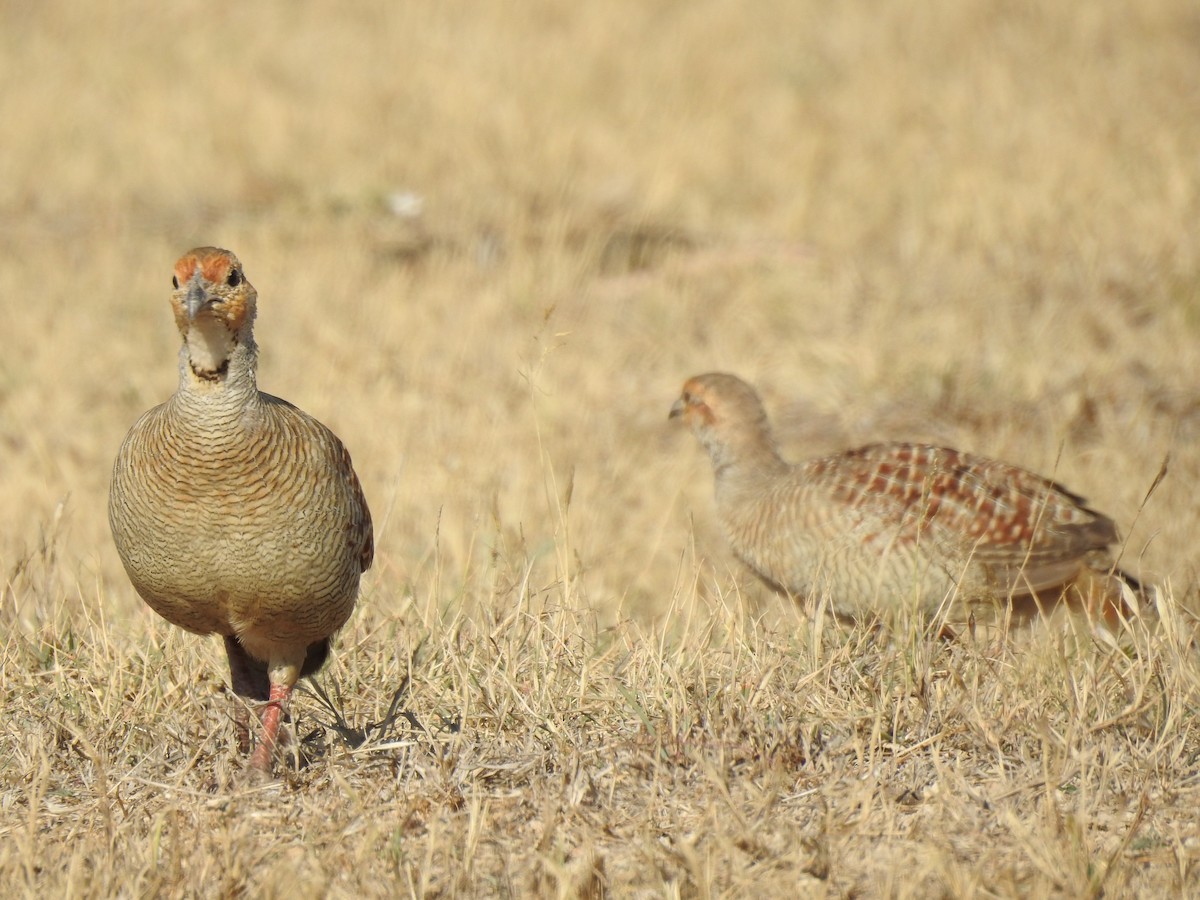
{"points": [[233, 511], [892, 525]]}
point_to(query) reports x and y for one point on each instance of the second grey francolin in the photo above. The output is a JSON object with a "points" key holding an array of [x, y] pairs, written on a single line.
{"points": [[892, 525], [234, 512]]}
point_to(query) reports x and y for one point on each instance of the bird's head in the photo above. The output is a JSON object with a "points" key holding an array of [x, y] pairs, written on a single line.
{"points": [[727, 416], [214, 308]]}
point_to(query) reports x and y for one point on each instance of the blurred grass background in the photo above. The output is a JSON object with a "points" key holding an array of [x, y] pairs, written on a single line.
{"points": [[491, 240]]}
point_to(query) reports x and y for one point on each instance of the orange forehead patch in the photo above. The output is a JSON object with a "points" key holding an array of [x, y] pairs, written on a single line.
{"points": [[213, 264]]}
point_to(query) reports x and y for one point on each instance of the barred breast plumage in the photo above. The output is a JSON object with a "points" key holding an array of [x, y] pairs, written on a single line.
{"points": [[233, 511], [894, 524]]}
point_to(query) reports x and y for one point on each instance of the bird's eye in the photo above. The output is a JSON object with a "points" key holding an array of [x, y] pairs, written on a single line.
{"points": [[234, 279], [175, 281]]}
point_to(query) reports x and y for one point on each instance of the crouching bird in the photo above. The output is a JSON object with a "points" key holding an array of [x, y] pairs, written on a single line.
{"points": [[234, 512], [894, 525]]}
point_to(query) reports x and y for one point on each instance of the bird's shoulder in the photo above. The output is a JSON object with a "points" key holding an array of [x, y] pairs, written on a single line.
{"points": [[322, 442]]}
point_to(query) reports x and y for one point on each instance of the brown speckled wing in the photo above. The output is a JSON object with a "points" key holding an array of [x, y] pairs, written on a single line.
{"points": [[360, 530], [363, 531], [1021, 526]]}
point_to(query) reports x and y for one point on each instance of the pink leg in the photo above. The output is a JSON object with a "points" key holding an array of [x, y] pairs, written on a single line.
{"points": [[265, 751]]}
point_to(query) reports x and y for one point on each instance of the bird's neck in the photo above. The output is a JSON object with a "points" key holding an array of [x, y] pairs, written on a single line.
{"points": [[215, 364], [748, 457]]}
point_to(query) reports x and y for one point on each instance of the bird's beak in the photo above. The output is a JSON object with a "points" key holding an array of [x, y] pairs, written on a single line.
{"points": [[197, 298], [677, 409]]}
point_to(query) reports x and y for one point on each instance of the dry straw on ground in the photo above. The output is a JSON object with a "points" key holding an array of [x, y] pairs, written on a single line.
{"points": [[490, 242]]}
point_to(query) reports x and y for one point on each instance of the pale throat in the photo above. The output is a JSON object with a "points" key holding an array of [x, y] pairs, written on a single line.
{"points": [[210, 345]]}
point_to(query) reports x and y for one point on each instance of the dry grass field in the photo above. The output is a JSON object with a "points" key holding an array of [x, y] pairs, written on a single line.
{"points": [[490, 241]]}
